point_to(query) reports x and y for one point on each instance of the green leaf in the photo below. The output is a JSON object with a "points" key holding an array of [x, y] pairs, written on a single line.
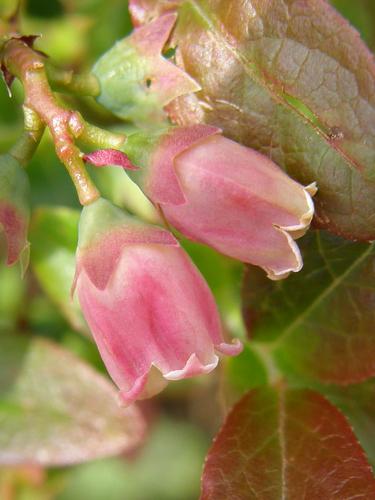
{"points": [[246, 371], [56, 410], [293, 80], [279, 443], [53, 238], [318, 323]]}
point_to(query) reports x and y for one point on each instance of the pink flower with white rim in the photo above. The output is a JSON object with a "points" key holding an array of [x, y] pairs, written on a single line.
{"points": [[152, 315], [218, 192]]}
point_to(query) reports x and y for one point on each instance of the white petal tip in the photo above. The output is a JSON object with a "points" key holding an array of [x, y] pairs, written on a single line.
{"points": [[232, 349], [283, 271], [312, 189], [192, 367]]}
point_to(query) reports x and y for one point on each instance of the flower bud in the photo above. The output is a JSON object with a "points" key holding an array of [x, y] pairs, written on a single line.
{"points": [[14, 210], [136, 81], [218, 192], [150, 311]]}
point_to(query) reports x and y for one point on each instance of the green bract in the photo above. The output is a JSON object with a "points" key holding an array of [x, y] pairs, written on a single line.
{"points": [[136, 81]]}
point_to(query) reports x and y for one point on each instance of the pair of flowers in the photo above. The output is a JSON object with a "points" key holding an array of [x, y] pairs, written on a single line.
{"points": [[152, 314]]}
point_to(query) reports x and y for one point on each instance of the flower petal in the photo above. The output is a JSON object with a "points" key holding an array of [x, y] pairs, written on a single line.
{"points": [[193, 367]]}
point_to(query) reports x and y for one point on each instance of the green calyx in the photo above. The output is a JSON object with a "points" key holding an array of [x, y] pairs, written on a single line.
{"points": [[139, 148], [136, 80], [98, 218], [101, 218], [124, 85]]}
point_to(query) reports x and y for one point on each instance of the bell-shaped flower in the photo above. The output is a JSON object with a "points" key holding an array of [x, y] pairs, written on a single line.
{"points": [[218, 192], [151, 313], [14, 211], [136, 81]]}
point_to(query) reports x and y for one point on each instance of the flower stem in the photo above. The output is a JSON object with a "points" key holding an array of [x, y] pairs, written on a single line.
{"points": [[29, 67], [91, 135], [26, 145], [67, 80]]}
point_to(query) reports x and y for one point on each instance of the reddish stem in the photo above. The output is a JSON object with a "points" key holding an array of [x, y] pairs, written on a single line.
{"points": [[29, 67]]}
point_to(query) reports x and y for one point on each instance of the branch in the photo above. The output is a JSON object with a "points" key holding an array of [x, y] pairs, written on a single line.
{"points": [[29, 66]]}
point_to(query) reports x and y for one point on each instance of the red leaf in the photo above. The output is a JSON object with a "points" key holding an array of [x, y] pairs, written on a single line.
{"points": [[278, 444]]}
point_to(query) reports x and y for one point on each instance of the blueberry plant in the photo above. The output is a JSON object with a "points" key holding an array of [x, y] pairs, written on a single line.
{"points": [[211, 266]]}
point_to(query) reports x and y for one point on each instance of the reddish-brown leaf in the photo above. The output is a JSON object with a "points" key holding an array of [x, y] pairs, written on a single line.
{"points": [[286, 444], [293, 80]]}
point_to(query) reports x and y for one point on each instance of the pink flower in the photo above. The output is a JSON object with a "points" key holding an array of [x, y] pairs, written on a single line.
{"points": [[226, 195], [150, 311]]}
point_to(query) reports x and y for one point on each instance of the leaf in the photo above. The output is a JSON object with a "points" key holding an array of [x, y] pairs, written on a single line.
{"points": [[53, 238], [174, 445], [293, 444], [357, 402], [293, 80], [320, 322], [56, 410], [246, 371]]}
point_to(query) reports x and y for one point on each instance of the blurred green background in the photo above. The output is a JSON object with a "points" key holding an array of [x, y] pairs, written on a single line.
{"points": [[186, 416]]}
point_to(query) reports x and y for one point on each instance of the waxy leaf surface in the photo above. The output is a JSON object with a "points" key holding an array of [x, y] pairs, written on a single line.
{"points": [[56, 410], [320, 322], [286, 444], [293, 80]]}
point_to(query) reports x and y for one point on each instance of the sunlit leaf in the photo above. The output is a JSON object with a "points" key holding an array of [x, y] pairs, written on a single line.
{"points": [[320, 322], [293, 444], [56, 410], [293, 80]]}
